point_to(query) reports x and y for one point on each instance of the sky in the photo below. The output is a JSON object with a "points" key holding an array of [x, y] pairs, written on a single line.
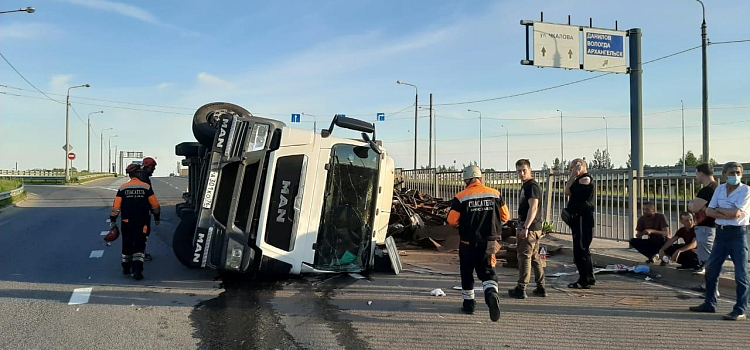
{"points": [[152, 63]]}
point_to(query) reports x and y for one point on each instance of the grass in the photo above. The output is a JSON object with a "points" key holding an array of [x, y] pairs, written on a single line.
{"points": [[6, 202], [9, 185]]}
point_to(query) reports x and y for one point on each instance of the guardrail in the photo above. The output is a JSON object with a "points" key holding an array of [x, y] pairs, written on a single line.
{"points": [[52, 176], [615, 216], [12, 193]]}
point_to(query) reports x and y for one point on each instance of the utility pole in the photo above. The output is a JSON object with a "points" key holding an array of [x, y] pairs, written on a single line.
{"points": [[683, 137], [101, 150], [636, 101], [432, 130], [562, 148], [606, 139], [480, 135], [88, 143], [416, 118], [67, 131], [507, 148], [704, 46]]}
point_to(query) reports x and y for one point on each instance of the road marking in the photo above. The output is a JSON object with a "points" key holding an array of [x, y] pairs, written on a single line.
{"points": [[80, 296], [107, 221], [96, 254], [104, 233]]}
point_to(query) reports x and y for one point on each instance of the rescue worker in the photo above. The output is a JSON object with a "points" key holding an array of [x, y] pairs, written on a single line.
{"points": [[148, 166], [133, 202], [479, 213]]}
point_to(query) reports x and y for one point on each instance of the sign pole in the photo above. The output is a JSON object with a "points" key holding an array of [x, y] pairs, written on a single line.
{"points": [[636, 124]]}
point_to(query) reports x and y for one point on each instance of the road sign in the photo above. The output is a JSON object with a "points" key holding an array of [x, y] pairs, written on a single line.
{"points": [[557, 45], [68, 149], [604, 50], [296, 118], [71, 156], [381, 117]]}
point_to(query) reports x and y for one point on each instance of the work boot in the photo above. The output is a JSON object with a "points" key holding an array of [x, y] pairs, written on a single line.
{"points": [[493, 302], [702, 308], [540, 291], [518, 292], [126, 268], [469, 306], [137, 270]]}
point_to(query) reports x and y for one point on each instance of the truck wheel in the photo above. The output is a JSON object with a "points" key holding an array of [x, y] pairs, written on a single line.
{"points": [[182, 240], [187, 149], [206, 116]]}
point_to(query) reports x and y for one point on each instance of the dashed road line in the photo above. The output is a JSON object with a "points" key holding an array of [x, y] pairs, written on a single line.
{"points": [[80, 296], [96, 254]]}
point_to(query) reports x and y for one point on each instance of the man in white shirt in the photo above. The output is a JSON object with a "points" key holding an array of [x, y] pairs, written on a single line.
{"points": [[730, 206]]}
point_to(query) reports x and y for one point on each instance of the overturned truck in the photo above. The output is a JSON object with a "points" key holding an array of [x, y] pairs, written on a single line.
{"points": [[263, 197]]}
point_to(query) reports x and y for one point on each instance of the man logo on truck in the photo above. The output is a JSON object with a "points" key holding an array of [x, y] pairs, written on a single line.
{"points": [[198, 248], [222, 132], [283, 201]]}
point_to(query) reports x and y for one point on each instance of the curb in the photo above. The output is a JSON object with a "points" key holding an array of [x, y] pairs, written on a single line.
{"points": [[669, 275]]}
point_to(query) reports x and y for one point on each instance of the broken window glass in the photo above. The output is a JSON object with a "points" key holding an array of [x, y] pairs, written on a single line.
{"points": [[348, 209]]}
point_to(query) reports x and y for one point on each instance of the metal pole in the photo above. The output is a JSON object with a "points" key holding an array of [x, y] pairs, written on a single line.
{"points": [[507, 148], [480, 135], [683, 137], [88, 145], [67, 136], [109, 155], [101, 152], [562, 147], [606, 134], [636, 101], [431, 132], [704, 44], [416, 124]]}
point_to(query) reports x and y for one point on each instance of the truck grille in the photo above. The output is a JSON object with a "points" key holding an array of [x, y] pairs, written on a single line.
{"points": [[239, 140]]}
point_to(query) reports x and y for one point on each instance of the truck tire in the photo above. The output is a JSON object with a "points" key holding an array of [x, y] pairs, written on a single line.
{"points": [[206, 116], [187, 149], [182, 240]]}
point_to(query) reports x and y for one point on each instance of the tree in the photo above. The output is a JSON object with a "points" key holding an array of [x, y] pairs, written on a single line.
{"points": [[545, 167], [690, 160], [629, 163], [556, 165], [601, 160]]}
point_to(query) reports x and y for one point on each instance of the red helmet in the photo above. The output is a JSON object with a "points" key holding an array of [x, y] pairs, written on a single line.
{"points": [[149, 162], [132, 168]]}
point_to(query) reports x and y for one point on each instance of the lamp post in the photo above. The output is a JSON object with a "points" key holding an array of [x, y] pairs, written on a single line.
{"points": [[101, 150], [507, 148], [25, 9], [67, 130], [562, 147], [480, 135], [416, 118], [315, 121], [109, 153], [682, 105], [88, 143], [704, 46]]}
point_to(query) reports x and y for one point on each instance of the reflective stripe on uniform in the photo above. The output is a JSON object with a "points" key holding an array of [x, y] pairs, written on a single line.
{"points": [[468, 294], [127, 258], [489, 285], [480, 195], [138, 257]]}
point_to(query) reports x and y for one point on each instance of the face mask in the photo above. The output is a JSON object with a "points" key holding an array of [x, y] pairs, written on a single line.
{"points": [[733, 180]]}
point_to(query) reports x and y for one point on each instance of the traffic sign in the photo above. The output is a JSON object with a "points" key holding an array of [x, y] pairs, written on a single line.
{"points": [[68, 149], [381, 117], [604, 50], [296, 118], [71, 156], [557, 45]]}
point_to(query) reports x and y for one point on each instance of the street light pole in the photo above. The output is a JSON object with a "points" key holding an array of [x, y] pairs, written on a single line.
{"points": [[67, 131], [480, 135], [101, 150], [416, 117], [315, 122], [683, 137], [88, 143], [109, 153], [606, 135], [507, 148], [704, 46], [562, 147], [25, 9]]}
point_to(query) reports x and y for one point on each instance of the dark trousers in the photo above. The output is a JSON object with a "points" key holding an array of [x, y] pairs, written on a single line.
{"points": [[133, 244], [479, 257], [648, 247], [686, 259], [583, 233]]}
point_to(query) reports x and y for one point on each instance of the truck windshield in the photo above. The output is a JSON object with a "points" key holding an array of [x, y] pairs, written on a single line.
{"points": [[348, 209]]}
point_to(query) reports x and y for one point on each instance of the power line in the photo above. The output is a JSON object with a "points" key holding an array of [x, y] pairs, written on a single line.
{"points": [[729, 42], [26, 80]]}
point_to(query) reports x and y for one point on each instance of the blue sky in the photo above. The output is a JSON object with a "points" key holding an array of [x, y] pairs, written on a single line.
{"points": [[327, 57]]}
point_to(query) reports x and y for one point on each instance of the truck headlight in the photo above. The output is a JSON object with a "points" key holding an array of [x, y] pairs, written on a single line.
{"points": [[258, 137]]}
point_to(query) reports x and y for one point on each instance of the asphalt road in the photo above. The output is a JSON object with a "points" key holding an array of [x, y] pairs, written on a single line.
{"points": [[46, 268]]}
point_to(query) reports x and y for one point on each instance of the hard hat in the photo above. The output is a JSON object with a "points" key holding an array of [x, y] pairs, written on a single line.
{"points": [[471, 172], [132, 168], [148, 162]]}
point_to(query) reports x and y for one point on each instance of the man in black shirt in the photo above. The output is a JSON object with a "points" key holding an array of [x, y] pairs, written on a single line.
{"points": [[705, 229], [580, 187], [529, 233]]}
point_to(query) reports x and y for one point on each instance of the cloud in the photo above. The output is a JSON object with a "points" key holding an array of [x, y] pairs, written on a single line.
{"points": [[60, 82], [28, 30], [213, 81], [164, 86]]}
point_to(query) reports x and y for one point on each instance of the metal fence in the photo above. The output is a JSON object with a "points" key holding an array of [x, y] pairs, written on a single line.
{"points": [[52, 176], [12, 193], [614, 216]]}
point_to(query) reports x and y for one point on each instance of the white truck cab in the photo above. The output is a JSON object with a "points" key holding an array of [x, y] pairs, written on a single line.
{"points": [[278, 200]]}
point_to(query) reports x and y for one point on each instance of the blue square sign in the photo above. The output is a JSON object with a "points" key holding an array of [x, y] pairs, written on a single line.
{"points": [[381, 117], [296, 118]]}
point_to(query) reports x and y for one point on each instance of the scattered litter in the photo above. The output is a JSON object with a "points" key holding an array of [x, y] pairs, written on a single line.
{"points": [[78, 309], [441, 316], [437, 293], [642, 269], [649, 278], [658, 276], [369, 302], [477, 289], [560, 274], [355, 275]]}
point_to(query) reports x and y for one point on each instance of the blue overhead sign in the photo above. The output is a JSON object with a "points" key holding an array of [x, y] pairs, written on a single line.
{"points": [[604, 50], [296, 118], [381, 117], [603, 44]]}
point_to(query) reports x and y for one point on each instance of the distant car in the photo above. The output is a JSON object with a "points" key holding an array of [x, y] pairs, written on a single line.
{"points": [[171, 174]]}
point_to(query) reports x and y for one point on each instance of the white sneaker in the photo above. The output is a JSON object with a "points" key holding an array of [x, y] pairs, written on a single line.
{"points": [[701, 271]]}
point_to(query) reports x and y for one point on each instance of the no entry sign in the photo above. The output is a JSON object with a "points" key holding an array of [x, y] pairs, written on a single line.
{"points": [[71, 156]]}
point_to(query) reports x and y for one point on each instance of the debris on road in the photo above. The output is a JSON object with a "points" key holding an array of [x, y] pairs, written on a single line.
{"points": [[437, 293]]}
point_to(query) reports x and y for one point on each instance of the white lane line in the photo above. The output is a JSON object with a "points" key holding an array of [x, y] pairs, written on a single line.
{"points": [[104, 233], [107, 221], [80, 296], [96, 254]]}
